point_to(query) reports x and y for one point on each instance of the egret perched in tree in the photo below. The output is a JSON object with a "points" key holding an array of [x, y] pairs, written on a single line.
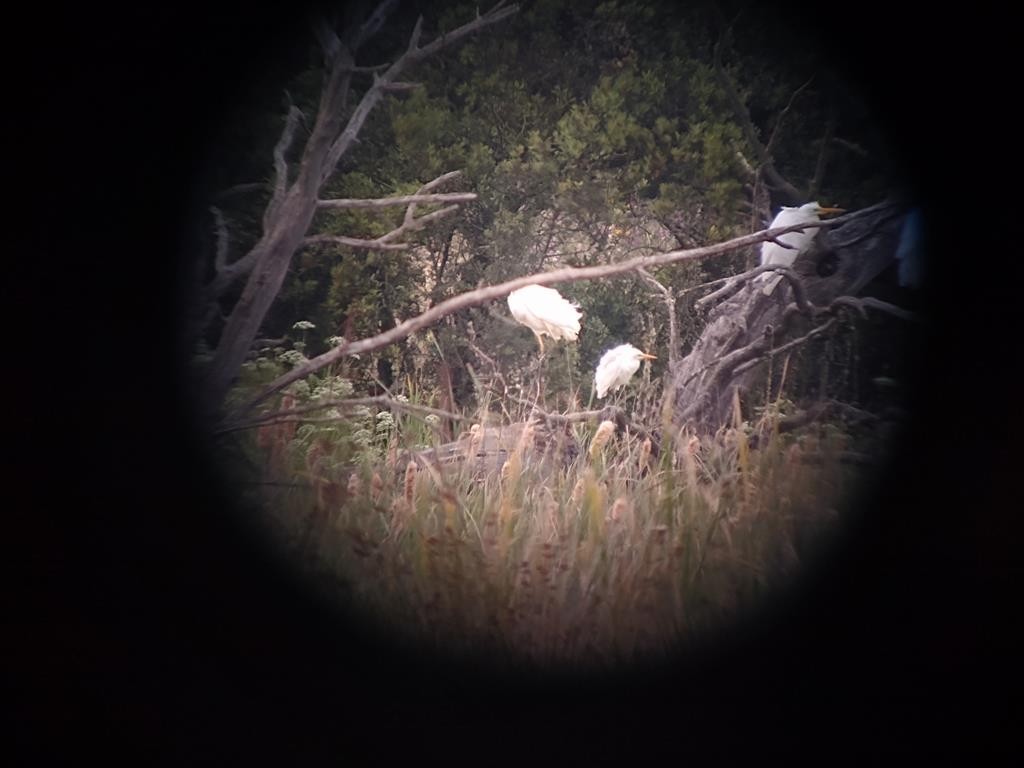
{"points": [[773, 253], [617, 367], [543, 310]]}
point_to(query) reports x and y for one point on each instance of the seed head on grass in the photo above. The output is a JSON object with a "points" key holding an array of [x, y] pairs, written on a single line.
{"points": [[620, 509], [604, 433], [580, 487], [506, 472], [410, 484], [645, 454]]}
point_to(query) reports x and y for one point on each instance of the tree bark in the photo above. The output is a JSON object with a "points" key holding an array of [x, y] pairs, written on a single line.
{"points": [[291, 210], [747, 325]]}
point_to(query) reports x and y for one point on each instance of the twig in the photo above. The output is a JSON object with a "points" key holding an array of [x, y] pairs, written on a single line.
{"points": [[817, 330], [670, 308], [392, 202], [414, 53]]}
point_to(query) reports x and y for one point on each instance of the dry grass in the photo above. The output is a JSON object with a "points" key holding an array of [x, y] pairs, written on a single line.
{"points": [[617, 556]]}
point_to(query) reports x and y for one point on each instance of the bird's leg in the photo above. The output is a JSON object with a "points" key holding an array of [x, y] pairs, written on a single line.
{"points": [[618, 399], [540, 382]]}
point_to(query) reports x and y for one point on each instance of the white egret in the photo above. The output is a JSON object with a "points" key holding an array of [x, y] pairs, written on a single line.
{"points": [[773, 253], [545, 311], [617, 367]]}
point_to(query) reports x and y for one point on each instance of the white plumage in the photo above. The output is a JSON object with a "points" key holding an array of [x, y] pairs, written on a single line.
{"points": [[544, 311], [617, 367], [773, 253]]}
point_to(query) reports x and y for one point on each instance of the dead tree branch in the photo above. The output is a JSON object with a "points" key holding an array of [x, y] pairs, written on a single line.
{"points": [[816, 331], [293, 206], [391, 202], [413, 54], [373, 24], [735, 284], [490, 293], [281, 165], [670, 308], [777, 130], [760, 349], [355, 242], [750, 132]]}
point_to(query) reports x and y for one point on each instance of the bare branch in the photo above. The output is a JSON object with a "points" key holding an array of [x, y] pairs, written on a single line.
{"points": [[355, 242], [413, 54], [414, 38], [384, 242], [670, 307], [400, 87], [857, 149], [373, 24], [496, 14], [327, 39], [759, 350], [490, 293], [816, 331], [434, 184], [736, 282], [280, 165], [870, 302], [291, 211], [778, 122], [426, 188], [393, 202], [371, 68], [419, 223], [749, 132]]}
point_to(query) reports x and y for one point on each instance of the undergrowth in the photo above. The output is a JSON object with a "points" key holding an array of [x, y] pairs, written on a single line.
{"points": [[618, 554]]}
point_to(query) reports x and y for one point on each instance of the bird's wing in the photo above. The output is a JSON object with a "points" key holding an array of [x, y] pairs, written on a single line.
{"points": [[544, 308], [772, 253]]}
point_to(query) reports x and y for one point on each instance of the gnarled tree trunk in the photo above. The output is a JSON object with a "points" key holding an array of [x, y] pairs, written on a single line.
{"points": [[746, 326]]}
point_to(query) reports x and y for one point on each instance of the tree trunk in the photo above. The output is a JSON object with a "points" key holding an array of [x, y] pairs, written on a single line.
{"points": [[291, 210], [749, 325]]}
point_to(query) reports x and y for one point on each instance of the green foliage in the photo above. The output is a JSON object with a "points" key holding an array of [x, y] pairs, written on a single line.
{"points": [[581, 127]]}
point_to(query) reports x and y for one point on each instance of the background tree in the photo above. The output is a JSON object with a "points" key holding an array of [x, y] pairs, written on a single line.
{"points": [[590, 132], [295, 193]]}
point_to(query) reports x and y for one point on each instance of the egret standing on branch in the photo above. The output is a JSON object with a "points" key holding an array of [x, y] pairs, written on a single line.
{"points": [[544, 311], [617, 367], [773, 253]]}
